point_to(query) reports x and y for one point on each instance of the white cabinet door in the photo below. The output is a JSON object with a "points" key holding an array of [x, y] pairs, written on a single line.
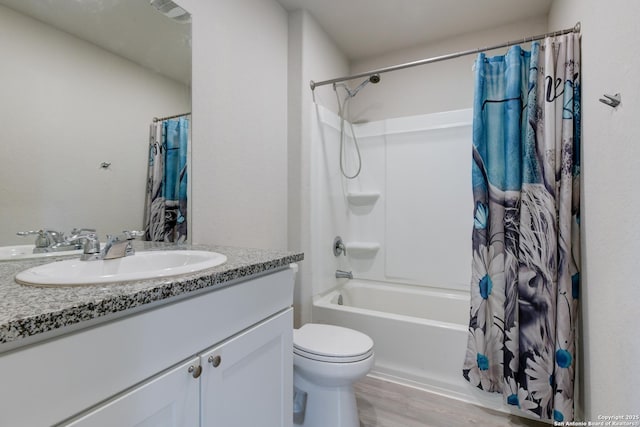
{"points": [[247, 380], [169, 400]]}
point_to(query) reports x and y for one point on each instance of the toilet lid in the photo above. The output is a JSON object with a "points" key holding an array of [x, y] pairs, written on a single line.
{"points": [[333, 342]]}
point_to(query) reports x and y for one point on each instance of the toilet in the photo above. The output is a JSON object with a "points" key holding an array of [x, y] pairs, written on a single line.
{"points": [[327, 360]]}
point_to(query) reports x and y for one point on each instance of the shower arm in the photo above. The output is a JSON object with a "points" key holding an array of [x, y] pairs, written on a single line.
{"points": [[374, 78]]}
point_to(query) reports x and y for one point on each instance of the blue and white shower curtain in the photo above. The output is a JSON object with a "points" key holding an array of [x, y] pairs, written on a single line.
{"points": [[525, 274], [165, 217]]}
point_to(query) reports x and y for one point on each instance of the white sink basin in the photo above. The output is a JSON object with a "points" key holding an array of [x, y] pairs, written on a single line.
{"points": [[142, 265], [15, 252]]}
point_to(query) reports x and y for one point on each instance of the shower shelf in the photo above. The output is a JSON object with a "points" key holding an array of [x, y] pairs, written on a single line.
{"points": [[363, 198], [362, 249]]}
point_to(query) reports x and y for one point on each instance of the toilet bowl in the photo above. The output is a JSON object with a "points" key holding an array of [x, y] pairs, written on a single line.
{"points": [[327, 360]]}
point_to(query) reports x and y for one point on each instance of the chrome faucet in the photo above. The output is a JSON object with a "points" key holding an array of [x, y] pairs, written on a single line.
{"points": [[115, 247], [120, 246], [341, 274], [50, 241]]}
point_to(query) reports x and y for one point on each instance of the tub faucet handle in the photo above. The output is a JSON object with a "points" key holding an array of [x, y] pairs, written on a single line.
{"points": [[338, 247]]}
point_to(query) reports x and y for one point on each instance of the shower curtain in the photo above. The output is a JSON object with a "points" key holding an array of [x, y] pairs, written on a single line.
{"points": [[165, 217], [525, 274]]}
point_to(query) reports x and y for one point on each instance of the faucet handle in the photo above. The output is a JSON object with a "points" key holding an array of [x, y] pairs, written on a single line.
{"points": [[83, 233], [338, 247], [126, 235], [91, 243], [82, 230], [28, 233], [40, 233], [42, 241], [132, 234]]}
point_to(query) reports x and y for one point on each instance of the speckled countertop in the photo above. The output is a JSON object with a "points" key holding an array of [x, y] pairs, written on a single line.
{"points": [[26, 311]]}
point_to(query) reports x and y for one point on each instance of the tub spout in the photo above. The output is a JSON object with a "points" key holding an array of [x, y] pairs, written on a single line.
{"points": [[341, 274]]}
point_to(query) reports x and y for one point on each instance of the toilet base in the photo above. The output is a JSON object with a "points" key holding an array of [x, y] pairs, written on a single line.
{"points": [[333, 406]]}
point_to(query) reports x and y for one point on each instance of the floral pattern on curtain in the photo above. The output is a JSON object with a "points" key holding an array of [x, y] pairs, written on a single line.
{"points": [[525, 273], [165, 218]]}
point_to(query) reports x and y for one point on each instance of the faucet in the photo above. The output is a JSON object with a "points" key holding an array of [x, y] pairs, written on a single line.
{"points": [[341, 274], [50, 241], [116, 246], [120, 246]]}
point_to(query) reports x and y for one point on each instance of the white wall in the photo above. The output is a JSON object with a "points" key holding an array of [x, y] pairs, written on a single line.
{"points": [[416, 230], [239, 152], [610, 202], [312, 55], [68, 106], [440, 86]]}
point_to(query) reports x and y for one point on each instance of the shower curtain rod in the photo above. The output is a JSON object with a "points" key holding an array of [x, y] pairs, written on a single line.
{"points": [[574, 29], [159, 119]]}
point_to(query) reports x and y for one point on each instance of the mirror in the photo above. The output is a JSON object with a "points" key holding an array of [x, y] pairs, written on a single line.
{"points": [[81, 82]]}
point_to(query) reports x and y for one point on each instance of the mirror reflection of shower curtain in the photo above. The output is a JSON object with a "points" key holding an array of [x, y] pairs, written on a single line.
{"points": [[165, 217]]}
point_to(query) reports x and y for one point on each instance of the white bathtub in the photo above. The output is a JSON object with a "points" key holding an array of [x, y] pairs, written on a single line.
{"points": [[419, 334]]}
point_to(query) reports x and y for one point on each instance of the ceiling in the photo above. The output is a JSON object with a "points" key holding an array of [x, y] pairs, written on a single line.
{"points": [[360, 28], [132, 29], [365, 28]]}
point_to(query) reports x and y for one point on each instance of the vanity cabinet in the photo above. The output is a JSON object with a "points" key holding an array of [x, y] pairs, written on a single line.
{"points": [[168, 400], [134, 369], [244, 381], [247, 381]]}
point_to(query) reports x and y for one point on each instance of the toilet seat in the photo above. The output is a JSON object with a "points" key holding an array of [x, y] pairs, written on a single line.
{"points": [[334, 344]]}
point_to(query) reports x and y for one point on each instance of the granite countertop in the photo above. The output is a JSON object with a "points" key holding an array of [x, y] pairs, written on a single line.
{"points": [[28, 311]]}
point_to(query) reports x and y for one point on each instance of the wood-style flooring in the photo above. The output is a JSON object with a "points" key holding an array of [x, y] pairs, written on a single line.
{"points": [[387, 404]]}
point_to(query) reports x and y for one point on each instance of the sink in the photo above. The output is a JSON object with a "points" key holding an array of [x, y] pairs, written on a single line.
{"points": [[8, 253], [142, 265]]}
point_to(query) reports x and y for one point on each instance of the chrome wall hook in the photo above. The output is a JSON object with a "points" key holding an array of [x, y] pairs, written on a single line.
{"points": [[611, 101]]}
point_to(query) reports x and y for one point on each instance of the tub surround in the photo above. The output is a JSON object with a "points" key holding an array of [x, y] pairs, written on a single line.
{"points": [[28, 314]]}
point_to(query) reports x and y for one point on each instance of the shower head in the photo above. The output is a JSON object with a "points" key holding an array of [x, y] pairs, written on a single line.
{"points": [[373, 78]]}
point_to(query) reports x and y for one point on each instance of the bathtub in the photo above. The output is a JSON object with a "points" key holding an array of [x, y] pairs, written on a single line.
{"points": [[419, 334]]}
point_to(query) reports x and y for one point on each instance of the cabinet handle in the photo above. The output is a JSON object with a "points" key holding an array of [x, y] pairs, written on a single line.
{"points": [[215, 360], [195, 371]]}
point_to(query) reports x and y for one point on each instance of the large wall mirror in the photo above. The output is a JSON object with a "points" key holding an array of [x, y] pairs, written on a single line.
{"points": [[80, 83]]}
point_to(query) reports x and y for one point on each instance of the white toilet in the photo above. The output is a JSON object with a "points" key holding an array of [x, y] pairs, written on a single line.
{"points": [[327, 360]]}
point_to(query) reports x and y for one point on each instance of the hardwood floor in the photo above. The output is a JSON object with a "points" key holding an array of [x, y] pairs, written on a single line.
{"points": [[386, 404]]}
